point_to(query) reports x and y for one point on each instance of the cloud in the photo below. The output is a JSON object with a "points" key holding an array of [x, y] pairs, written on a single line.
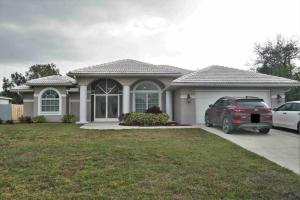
{"points": [[39, 31]]}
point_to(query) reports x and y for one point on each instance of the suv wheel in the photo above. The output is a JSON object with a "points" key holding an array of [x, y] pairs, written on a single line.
{"points": [[207, 123], [226, 126], [299, 128], [264, 130]]}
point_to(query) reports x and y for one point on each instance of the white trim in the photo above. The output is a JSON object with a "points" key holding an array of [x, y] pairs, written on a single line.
{"points": [[40, 103], [126, 99], [83, 104], [184, 96], [169, 104], [28, 100], [77, 100]]}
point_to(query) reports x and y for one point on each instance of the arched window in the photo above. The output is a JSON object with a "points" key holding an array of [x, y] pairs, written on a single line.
{"points": [[146, 95], [107, 86], [49, 101]]}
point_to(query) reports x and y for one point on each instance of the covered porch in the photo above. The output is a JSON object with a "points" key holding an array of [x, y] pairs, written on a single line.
{"points": [[106, 99]]}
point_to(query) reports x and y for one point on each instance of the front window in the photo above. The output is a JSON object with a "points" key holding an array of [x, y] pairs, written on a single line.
{"points": [[147, 95], [50, 101]]}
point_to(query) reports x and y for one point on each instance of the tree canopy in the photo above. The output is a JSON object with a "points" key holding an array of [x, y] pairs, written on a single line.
{"points": [[41, 70], [278, 57], [16, 79]]}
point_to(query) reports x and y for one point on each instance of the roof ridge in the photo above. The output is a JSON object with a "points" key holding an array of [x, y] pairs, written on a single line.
{"points": [[130, 66]]}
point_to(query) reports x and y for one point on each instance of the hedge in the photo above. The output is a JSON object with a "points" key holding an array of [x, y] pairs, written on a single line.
{"points": [[145, 119], [69, 118], [39, 119]]}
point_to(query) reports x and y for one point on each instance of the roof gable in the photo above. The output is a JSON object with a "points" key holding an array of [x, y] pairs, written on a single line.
{"points": [[220, 75], [55, 80]]}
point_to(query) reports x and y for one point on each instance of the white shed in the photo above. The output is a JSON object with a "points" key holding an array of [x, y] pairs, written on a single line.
{"points": [[4, 100]]}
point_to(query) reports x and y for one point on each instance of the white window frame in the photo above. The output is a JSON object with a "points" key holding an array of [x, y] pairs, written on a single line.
{"points": [[40, 112], [158, 91]]}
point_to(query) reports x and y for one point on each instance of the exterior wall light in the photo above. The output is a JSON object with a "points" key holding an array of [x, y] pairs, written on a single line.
{"points": [[188, 98]]}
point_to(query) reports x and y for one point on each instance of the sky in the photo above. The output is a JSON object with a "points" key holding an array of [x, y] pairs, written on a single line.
{"points": [[191, 34]]}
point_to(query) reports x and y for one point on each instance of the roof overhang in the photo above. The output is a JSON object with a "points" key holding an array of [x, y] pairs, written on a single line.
{"points": [[49, 84], [21, 90], [232, 84], [5, 98]]}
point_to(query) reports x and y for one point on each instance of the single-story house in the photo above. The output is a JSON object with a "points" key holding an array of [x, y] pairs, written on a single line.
{"points": [[5, 108], [103, 92]]}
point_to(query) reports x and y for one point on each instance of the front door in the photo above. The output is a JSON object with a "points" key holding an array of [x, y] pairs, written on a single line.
{"points": [[106, 107]]}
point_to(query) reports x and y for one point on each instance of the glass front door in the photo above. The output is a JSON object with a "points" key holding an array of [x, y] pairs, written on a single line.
{"points": [[106, 107], [100, 107]]}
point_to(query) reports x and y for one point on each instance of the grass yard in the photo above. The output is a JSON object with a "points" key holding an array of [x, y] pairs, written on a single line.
{"points": [[61, 161]]}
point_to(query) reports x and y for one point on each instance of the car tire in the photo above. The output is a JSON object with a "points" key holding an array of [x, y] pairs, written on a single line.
{"points": [[264, 130], [207, 123], [227, 126], [298, 128]]}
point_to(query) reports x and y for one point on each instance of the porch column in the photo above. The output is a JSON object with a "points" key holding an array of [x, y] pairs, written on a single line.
{"points": [[169, 104], [126, 99], [83, 102]]}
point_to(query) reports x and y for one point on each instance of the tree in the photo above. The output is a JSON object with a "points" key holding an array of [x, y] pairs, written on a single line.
{"points": [[17, 79], [7, 84], [35, 71], [41, 70], [278, 58]]}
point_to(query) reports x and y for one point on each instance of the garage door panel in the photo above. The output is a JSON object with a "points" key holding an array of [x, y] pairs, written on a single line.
{"points": [[204, 98]]}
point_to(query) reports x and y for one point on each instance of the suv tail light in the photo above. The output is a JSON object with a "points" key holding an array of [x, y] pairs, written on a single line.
{"points": [[236, 119]]}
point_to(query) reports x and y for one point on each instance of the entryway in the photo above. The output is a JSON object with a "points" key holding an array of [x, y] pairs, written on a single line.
{"points": [[107, 107], [107, 96]]}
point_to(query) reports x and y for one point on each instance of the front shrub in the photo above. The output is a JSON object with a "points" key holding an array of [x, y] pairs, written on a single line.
{"points": [[28, 119], [39, 119], [22, 119], [146, 119], [25, 119], [1, 121], [70, 118], [154, 110], [9, 121]]}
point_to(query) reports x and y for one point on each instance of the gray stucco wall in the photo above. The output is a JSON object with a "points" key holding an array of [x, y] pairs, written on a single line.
{"points": [[28, 109], [185, 113], [51, 118], [5, 112]]}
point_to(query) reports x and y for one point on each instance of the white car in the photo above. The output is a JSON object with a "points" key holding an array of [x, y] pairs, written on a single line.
{"points": [[287, 116]]}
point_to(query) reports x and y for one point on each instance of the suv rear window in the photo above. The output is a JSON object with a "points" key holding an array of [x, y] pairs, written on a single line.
{"points": [[251, 103]]}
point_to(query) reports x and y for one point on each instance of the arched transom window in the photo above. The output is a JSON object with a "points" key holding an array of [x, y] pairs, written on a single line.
{"points": [[107, 86], [146, 95], [50, 101]]}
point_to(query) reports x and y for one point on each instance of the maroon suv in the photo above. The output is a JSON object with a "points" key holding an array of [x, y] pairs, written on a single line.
{"points": [[234, 113]]}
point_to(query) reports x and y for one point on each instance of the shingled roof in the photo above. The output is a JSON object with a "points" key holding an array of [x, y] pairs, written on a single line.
{"points": [[55, 80], [128, 67], [224, 76]]}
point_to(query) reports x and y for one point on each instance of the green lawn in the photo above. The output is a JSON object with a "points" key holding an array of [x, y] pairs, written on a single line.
{"points": [[61, 161]]}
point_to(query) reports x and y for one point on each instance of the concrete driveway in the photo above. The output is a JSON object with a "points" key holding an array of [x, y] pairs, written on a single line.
{"points": [[279, 146]]}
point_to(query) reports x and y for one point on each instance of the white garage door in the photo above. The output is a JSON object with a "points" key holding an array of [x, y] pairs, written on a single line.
{"points": [[204, 98]]}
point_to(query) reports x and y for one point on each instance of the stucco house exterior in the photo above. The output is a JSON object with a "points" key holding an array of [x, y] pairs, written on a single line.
{"points": [[103, 92]]}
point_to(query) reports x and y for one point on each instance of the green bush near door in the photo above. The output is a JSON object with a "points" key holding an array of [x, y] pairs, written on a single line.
{"points": [[145, 119]]}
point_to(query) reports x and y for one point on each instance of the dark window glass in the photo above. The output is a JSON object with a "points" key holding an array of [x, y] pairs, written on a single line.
{"points": [[295, 107], [251, 103], [285, 107]]}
